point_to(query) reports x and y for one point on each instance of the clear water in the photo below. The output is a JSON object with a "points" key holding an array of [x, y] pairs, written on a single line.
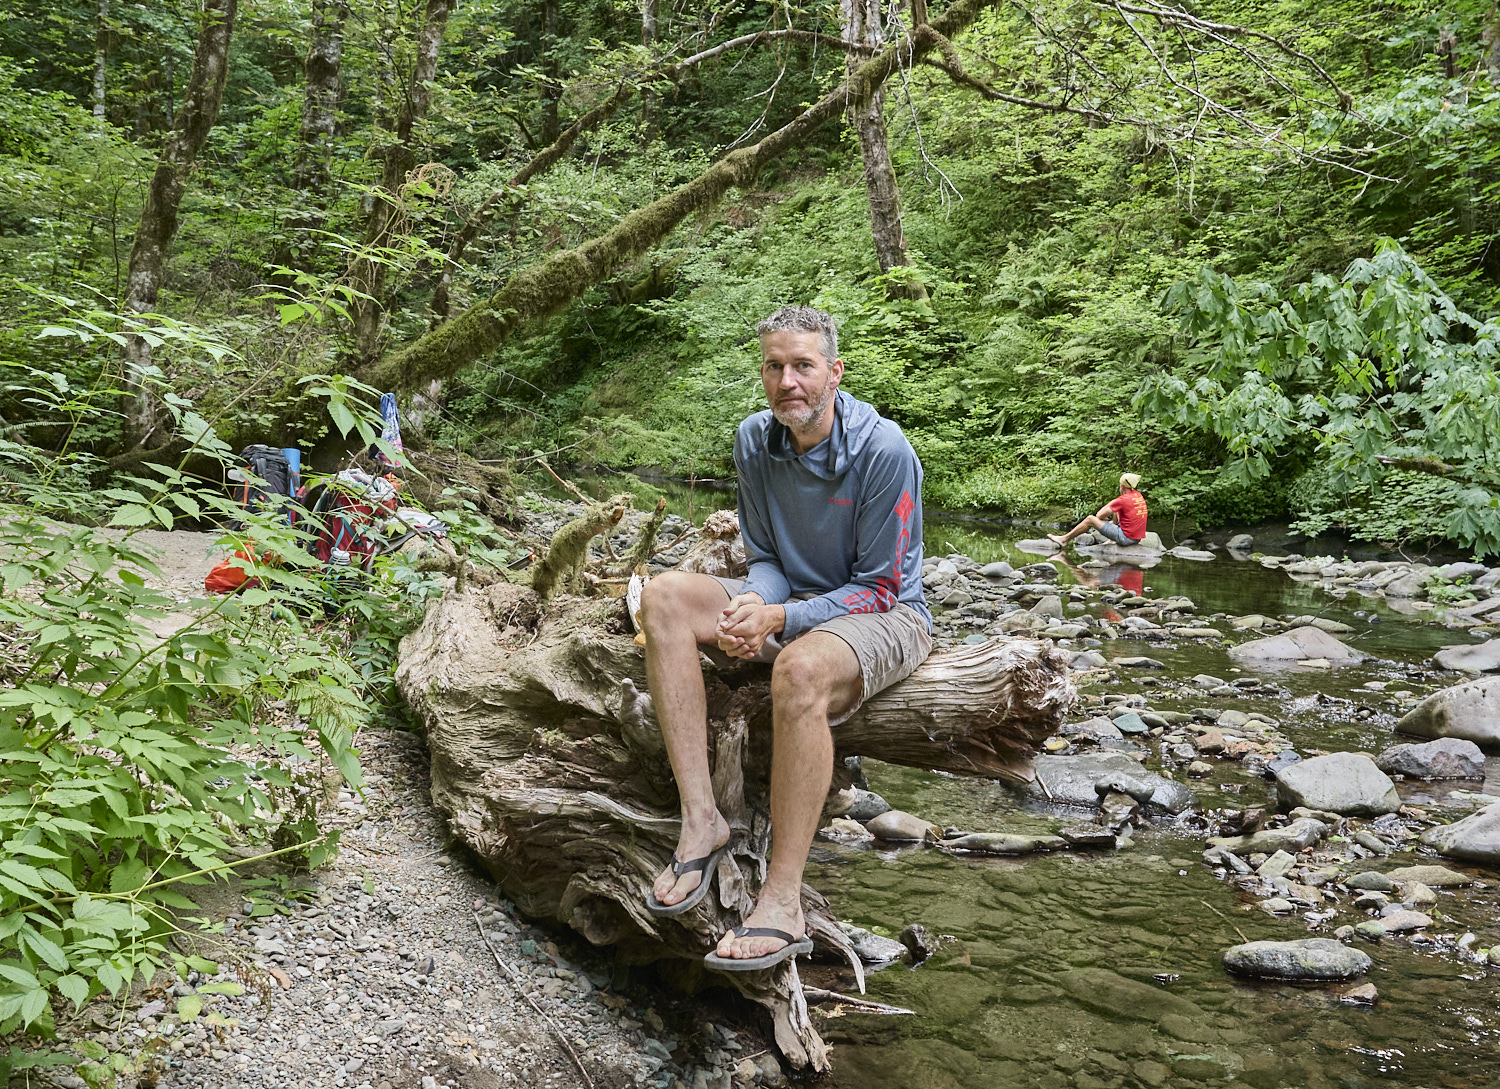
{"points": [[1046, 975]]}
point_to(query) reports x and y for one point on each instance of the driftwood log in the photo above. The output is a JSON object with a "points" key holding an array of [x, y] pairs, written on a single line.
{"points": [[548, 761]]}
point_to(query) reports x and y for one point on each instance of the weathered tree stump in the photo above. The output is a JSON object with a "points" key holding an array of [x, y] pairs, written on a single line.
{"points": [[547, 758]]}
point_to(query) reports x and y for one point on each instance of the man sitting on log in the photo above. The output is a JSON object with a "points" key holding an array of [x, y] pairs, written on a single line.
{"points": [[830, 507]]}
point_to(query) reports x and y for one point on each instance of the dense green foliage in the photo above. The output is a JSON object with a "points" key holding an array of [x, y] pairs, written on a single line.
{"points": [[1048, 240], [151, 743]]}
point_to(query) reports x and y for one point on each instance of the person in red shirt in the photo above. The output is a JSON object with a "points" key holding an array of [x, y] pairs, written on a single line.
{"points": [[1121, 520]]}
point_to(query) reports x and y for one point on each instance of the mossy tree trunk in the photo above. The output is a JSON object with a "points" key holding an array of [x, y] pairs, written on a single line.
{"points": [[863, 25], [158, 223], [321, 94], [372, 269], [555, 282]]}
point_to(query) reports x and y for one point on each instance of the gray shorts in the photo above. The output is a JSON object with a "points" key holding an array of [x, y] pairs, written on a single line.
{"points": [[1113, 532], [888, 645]]}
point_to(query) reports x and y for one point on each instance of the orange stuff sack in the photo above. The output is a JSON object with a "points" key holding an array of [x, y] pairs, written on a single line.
{"points": [[227, 577]]}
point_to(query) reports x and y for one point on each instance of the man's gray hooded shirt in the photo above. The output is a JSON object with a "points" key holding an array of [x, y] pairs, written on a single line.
{"points": [[842, 521]]}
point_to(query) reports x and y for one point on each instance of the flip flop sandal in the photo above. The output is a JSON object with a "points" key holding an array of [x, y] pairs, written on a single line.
{"points": [[794, 947], [708, 864]]}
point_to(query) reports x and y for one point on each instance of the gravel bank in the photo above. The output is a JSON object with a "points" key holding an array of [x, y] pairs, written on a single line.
{"points": [[381, 980]]}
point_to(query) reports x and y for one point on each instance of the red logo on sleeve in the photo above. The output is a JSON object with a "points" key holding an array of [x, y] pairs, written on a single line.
{"points": [[887, 590]]}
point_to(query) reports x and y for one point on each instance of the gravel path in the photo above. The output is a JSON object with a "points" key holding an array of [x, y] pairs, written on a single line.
{"points": [[381, 980]]}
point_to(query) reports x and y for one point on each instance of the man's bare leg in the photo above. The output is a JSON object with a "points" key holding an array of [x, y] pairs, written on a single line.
{"points": [[679, 611], [1091, 522], [815, 676]]}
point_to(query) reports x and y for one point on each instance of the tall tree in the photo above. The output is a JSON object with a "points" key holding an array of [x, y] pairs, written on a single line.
{"points": [[555, 282], [863, 27], [101, 55], [398, 156], [158, 225], [321, 93]]}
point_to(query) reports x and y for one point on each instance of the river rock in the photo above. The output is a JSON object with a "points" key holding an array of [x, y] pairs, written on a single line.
{"points": [[1462, 570], [1370, 881], [1470, 657], [1139, 662], [1088, 659], [1399, 920], [1069, 780], [1240, 542], [1310, 958], [1004, 843], [1297, 836], [867, 806], [1470, 711], [1049, 606], [1251, 622], [1190, 553], [1092, 729], [894, 826], [1087, 835], [1445, 758], [1475, 838], [997, 570], [1038, 545], [1342, 782], [1296, 645], [1131, 723], [872, 948], [1409, 585], [1434, 877]]}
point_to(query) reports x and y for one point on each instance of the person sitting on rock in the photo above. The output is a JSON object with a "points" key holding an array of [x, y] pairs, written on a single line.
{"points": [[830, 508], [1121, 520]]}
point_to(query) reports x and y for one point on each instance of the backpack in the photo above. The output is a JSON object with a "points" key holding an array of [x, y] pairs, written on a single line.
{"points": [[273, 487]]}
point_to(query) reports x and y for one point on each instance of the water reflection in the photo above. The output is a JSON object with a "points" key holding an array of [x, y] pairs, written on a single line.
{"points": [[1050, 979]]}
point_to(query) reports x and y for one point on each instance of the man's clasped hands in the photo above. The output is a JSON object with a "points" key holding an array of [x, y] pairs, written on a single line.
{"points": [[745, 623]]}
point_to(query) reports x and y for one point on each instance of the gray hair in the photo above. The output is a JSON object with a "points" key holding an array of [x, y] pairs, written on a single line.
{"points": [[804, 319]]}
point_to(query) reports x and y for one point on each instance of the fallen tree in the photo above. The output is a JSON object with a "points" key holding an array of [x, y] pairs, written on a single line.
{"points": [[548, 760]]}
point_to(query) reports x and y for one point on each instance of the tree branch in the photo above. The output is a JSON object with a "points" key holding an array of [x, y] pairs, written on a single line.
{"points": [[548, 286]]}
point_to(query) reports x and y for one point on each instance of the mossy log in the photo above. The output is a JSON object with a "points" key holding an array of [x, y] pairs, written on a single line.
{"points": [[548, 761]]}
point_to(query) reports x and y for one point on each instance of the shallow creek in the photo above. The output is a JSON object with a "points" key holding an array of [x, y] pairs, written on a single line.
{"points": [[1050, 976], [1098, 969]]}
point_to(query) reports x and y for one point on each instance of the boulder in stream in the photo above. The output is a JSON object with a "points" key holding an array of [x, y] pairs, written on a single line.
{"points": [[1342, 782], [1434, 877], [1296, 645], [894, 826], [872, 949], [1070, 780], [1470, 657], [1310, 958], [1476, 838], [1297, 836], [1444, 758], [1470, 711], [1240, 542], [867, 806]]}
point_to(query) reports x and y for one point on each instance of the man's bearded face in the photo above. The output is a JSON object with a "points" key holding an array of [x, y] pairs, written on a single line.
{"points": [[799, 383]]}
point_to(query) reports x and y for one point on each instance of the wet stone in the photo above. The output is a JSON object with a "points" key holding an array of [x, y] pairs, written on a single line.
{"points": [[1436, 877], [1307, 959], [1443, 758], [1371, 881]]}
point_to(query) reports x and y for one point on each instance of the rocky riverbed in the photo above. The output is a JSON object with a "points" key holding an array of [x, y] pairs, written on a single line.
{"points": [[1324, 765]]}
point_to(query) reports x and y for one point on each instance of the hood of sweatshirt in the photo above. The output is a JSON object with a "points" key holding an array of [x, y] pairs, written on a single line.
{"points": [[854, 422]]}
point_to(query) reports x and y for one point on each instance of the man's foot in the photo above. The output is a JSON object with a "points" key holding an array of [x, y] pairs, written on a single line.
{"points": [[1059, 541], [768, 915], [696, 841]]}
